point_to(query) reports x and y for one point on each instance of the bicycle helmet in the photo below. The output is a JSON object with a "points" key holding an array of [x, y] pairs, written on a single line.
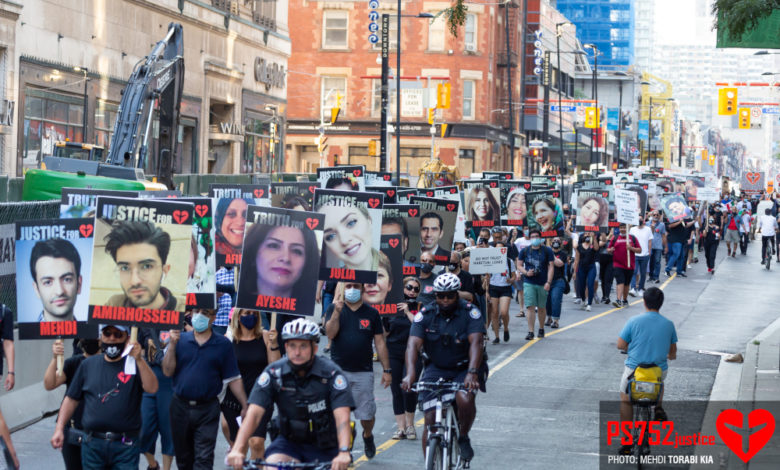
{"points": [[446, 282], [301, 328]]}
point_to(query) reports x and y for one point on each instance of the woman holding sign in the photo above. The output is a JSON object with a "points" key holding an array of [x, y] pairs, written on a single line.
{"points": [[231, 221], [500, 291], [348, 236], [593, 212]]}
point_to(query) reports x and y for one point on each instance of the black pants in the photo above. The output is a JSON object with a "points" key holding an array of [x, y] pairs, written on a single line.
{"points": [[194, 429], [710, 250], [605, 274], [743, 242], [767, 243], [403, 402]]}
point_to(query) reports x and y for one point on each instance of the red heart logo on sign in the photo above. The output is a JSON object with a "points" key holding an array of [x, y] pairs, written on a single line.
{"points": [[312, 188], [312, 223], [453, 190], [412, 212], [365, 323], [201, 210], [373, 202], [553, 179], [450, 207], [86, 230], [356, 173], [390, 192], [555, 194], [509, 177], [527, 186], [393, 242], [259, 192], [123, 377], [180, 216], [604, 194], [493, 184], [756, 441], [503, 251], [386, 177], [429, 193], [753, 177]]}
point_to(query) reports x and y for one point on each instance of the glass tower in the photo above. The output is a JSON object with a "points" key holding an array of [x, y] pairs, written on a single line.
{"points": [[609, 24]]}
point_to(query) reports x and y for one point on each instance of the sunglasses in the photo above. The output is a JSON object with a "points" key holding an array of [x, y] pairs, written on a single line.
{"points": [[115, 334], [446, 295], [412, 288]]}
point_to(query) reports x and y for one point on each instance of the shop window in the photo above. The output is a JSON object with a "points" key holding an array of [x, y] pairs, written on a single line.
{"points": [[334, 29], [466, 161], [258, 155], [49, 117]]}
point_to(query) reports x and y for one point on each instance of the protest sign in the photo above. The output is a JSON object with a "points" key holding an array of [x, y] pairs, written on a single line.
{"points": [[642, 193], [241, 191], [202, 267], [481, 203], [279, 269], [437, 223], [544, 212], [161, 194], [488, 260], [137, 276], [513, 209], [54, 260], [625, 176], [378, 178], [403, 195], [81, 202], [404, 220], [388, 290], [544, 181], [708, 194], [342, 178], [293, 194], [627, 207], [674, 207], [500, 175], [753, 182], [592, 210], [692, 186], [389, 193], [353, 226], [230, 218]]}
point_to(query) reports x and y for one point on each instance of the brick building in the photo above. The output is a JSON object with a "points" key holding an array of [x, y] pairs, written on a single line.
{"points": [[331, 54]]}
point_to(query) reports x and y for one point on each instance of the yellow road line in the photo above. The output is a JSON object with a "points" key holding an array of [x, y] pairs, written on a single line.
{"points": [[391, 442]]}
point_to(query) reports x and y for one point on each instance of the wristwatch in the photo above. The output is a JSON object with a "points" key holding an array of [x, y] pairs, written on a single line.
{"points": [[387, 371], [344, 449], [472, 371]]}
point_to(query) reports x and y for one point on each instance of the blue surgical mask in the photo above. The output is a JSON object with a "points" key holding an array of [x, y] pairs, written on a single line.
{"points": [[200, 322], [249, 321], [536, 242], [352, 295]]}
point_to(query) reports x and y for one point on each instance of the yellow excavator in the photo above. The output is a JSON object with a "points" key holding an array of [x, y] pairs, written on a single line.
{"points": [[434, 173]]}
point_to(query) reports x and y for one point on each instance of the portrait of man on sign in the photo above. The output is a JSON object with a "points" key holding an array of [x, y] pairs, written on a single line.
{"points": [[55, 266]]}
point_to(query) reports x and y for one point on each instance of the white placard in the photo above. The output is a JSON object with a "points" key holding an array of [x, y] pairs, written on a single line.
{"points": [[708, 194], [487, 260], [627, 207], [411, 103]]}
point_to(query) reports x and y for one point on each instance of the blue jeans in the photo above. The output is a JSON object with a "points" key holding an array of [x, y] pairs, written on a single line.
{"points": [[555, 298], [586, 275], [156, 416], [675, 258], [640, 271], [100, 454], [655, 262], [327, 299]]}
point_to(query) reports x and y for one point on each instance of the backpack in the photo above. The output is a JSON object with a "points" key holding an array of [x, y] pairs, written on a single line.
{"points": [[645, 383]]}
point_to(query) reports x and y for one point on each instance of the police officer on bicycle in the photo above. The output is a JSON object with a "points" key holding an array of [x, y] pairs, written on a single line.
{"points": [[451, 333], [314, 402]]}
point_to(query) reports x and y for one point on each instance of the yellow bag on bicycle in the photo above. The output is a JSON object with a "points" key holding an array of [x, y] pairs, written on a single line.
{"points": [[645, 383]]}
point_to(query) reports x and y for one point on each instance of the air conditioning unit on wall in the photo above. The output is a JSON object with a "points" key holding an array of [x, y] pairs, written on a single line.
{"points": [[471, 47]]}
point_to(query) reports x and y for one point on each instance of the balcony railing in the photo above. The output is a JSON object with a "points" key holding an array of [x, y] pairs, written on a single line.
{"points": [[502, 59]]}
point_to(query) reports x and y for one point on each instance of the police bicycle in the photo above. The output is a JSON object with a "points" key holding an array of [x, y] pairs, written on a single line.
{"points": [[260, 464], [645, 387], [442, 452], [768, 250]]}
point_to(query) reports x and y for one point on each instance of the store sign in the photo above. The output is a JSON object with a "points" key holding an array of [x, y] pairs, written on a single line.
{"points": [[269, 74], [373, 26], [233, 128], [411, 102], [538, 53]]}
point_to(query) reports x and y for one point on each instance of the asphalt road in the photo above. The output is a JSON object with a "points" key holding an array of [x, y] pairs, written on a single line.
{"points": [[541, 408]]}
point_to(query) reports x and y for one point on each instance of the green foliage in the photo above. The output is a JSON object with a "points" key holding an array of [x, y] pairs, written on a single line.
{"points": [[456, 16], [739, 16]]}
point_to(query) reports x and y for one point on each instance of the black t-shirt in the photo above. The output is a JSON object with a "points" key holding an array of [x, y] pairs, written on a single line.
{"points": [[713, 233], [112, 400], [397, 327], [466, 282], [426, 295], [69, 368], [6, 330], [689, 230], [446, 341], [252, 358], [587, 256], [351, 349], [675, 234], [558, 272]]}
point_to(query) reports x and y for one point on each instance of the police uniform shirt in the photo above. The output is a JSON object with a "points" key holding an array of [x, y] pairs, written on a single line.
{"points": [[325, 382], [446, 341]]}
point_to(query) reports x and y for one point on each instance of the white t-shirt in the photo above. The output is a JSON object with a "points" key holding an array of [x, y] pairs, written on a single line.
{"points": [[768, 225], [521, 243], [644, 235]]}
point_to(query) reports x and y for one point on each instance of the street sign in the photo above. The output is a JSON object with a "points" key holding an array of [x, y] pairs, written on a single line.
{"points": [[634, 151], [770, 110], [565, 109], [535, 144]]}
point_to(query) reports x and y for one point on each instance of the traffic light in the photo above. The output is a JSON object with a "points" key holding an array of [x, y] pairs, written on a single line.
{"points": [[334, 111], [535, 152], [704, 154], [744, 118], [322, 143], [711, 159], [727, 101], [592, 117], [372, 148], [443, 95], [431, 115]]}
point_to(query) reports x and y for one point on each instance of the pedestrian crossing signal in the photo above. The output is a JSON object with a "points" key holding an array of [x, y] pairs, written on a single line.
{"points": [[727, 101], [372, 148], [334, 111], [443, 91], [704, 154], [744, 118], [592, 117], [431, 115]]}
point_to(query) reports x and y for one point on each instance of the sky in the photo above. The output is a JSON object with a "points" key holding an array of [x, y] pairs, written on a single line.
{"points": [[676, 22]]}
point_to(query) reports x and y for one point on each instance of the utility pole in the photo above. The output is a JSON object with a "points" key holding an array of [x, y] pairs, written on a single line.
{"points": [[546, 116], [509, 86], [679, 155], [620, 120], [522, 59]]}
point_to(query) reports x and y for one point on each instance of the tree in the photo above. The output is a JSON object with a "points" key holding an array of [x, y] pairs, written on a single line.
{"points": [[738, 16], [456, 16]]}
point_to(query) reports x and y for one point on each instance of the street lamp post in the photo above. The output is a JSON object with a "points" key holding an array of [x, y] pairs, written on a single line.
{"points": [[558, 34], [595, 94], [274, 132], [86, 103]]}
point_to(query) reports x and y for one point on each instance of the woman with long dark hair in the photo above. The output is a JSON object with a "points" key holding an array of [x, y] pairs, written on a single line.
{"points": [[482, 205], [230, 222]]}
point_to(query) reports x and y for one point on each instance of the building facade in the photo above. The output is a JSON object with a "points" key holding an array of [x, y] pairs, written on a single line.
{"points": [[332, 56], [72, 60], [608, 24]]}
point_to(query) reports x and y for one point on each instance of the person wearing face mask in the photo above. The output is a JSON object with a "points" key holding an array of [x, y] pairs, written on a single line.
{"points": [[451, 333], [537, 267], [353, 328], [427, 276], [555, 297], [199, 362], [255, 348], [585, 268], [644, 235], [658, 247], [712, 235], [500, 292], [111, 417], [71, 449]]}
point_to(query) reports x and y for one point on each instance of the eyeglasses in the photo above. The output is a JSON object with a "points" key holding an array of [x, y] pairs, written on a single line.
{"points": [[115, 334], [412, 288], [446, 295]]}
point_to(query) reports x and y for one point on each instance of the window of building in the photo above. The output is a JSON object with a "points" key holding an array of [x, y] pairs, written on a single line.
{"points": [[257, 155], [264, 13], [392, 33], [466, 161], [334, 29], [436, 34], [50, 117], [105, 117], [470, 36], [469, 89], [331, 87]]}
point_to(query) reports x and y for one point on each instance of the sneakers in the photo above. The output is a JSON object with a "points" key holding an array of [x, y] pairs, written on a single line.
{"points": [[587, 308], [529, 336], [577, 301], [660, 414], [541, 333], [466, 452], [496, 341], [399, 435], [668, 274], [410, 433], [682, 275], [506, 336], [369, 447], [632, 292], [605, 300], [640, 292], [617, 303], [657, 281]]}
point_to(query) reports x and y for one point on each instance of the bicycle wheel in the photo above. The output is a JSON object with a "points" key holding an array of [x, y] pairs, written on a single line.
{"points": [[643, 448], [453, 455], [433, 457]]}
